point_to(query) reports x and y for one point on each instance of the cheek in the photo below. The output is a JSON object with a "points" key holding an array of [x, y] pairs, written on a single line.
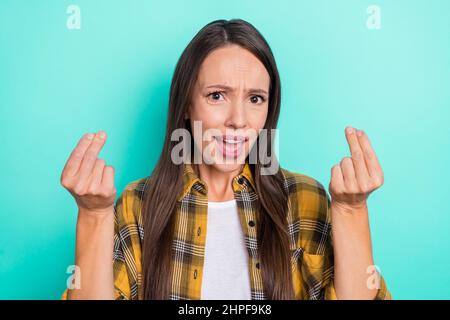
{"points": [[204, 121], [210, 116], [257, 119], [256, 122]]}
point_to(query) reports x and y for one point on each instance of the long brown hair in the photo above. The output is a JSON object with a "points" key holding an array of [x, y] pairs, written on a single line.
{"points": [[159, 205]]}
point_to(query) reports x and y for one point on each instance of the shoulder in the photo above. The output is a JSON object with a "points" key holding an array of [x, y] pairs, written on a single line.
{"points": [[302, 185], [129, 203], [136, 187]]}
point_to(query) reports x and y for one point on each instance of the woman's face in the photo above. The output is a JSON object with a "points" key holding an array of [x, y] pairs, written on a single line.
{"points": [[229, 106]]}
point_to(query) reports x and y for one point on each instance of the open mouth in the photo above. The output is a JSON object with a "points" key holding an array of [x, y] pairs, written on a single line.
{"points": [[231, 146]]}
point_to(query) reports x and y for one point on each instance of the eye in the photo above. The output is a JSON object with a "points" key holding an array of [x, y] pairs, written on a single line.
{"points": [[254, 99], [215, 96]]}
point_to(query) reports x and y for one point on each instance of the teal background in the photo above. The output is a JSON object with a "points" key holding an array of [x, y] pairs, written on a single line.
{"points": [[114, 74]]}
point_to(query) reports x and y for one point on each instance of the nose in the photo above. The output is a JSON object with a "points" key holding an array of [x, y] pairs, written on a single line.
{"points": [[237, 117]]}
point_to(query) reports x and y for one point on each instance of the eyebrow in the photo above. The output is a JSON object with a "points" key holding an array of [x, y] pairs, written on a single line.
{"points": [[221, 86]]}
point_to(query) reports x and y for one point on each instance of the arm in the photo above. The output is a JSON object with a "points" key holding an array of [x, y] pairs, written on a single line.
{"points": [[94, 256], [91, 183], [352, 253], [351, 183], [110, 258]]}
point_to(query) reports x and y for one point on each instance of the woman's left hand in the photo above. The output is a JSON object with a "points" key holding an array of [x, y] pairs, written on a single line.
{"points": [[355, 177]]}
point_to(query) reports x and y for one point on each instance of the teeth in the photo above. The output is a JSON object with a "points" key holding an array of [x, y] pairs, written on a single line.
{"points": [[232, 141]]}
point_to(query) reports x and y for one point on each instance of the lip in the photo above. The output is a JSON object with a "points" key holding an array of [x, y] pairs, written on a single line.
{"points": [[233, 138], [231, 146]]}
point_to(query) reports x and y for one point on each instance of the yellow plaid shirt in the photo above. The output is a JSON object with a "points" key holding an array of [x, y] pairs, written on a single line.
{"points": [[309, 226]]}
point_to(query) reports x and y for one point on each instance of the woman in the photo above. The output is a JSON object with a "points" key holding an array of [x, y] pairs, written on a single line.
{"points": [[220, 224]]}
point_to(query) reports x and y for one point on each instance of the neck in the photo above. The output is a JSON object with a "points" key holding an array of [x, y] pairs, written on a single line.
{"points": [[219, 182]]}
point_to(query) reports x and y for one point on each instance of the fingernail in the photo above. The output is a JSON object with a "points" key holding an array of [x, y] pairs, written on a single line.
{"points": [[101, 134], [349, 130], [90, 136], [359, 133]]}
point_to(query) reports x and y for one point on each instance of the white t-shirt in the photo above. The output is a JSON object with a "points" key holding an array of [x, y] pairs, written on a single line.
{"points": [[225, 271]]}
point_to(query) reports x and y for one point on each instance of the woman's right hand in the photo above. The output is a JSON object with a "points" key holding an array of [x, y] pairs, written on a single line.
{"points": [[89, 179]]}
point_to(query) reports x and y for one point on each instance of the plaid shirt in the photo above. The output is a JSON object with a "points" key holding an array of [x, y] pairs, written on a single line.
{"points": [[309, 226]]}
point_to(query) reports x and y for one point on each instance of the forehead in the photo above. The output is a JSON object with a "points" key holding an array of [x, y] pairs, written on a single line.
{"points": [[234, 66]]}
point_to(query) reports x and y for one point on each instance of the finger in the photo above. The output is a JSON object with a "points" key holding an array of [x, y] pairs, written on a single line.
{"points": [[362, 174], [348, 172], [337, 178], [73, 163], [90, 156], [96, 176], [373, 165], [108, 178]]}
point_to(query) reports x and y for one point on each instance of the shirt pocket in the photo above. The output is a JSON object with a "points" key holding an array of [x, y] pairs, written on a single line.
{"points": [[308, 272], [313, 261]]}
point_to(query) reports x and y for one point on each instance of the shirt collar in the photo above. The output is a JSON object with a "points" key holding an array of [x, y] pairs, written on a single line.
{"points": [[191, 179]]}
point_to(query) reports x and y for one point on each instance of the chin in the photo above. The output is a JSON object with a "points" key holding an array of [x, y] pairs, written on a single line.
{"points": [[229, 167]]}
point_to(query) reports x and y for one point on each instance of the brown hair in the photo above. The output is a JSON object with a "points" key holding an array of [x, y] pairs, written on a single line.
{"points": [[159, 205]]}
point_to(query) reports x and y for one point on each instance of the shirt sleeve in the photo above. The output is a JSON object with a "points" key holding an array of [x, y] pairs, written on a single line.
{"points": [[121, 282], [329, 289], [122, 290]]}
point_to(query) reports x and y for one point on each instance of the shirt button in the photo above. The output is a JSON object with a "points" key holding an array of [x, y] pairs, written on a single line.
{"points": [[198, 231], [251, 223], [195, 274], [241, 180], [257, 265]]}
